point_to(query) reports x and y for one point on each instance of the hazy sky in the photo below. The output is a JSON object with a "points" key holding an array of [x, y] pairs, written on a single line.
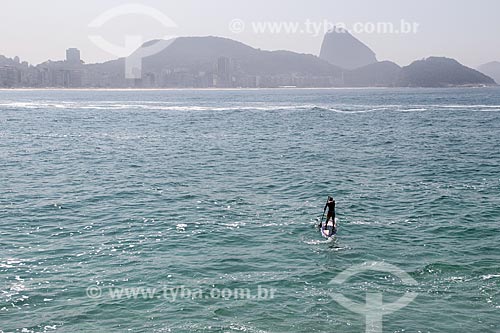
{"points": [[463, 29]]}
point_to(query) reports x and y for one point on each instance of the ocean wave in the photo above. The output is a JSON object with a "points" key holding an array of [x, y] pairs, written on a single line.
{"points": [[413, 110], [167, 106], [358, 111], [254, 106], [468, 106]]}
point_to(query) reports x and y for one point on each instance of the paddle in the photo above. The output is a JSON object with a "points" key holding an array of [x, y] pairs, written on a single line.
{"points": [[321, 221]]}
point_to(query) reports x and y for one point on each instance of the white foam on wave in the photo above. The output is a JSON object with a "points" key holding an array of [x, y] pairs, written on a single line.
{"points": [[181, 226], [490, 276], [413, 110], [390, 108], [358, 111], [251, 106], [33, 105], [463, 106], [318, 242], [146, 105]]}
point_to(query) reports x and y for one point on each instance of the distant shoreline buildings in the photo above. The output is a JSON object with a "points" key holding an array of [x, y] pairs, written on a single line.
{"points": [[74, 73], [68, 73], [215, 62]]}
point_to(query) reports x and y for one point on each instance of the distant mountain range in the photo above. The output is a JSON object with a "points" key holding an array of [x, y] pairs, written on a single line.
{"points": [[200, 53], [492, 69], [361, 68], [203, 62]]}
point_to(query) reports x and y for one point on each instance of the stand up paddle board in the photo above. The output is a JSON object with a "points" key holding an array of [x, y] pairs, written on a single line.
{"points": [[329, 229]]}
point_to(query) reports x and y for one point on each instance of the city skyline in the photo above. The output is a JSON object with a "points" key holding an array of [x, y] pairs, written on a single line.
{"points": [[457, 31], [215, 62]]}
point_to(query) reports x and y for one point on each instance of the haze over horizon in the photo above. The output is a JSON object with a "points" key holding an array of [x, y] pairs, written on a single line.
{"points": [[41, 31]]}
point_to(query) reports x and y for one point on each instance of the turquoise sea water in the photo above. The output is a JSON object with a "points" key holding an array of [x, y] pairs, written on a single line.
{"points": [[209, 191]]}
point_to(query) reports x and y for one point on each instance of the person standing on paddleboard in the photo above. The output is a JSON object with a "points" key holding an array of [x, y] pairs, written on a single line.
{"points": [[330, 204]]}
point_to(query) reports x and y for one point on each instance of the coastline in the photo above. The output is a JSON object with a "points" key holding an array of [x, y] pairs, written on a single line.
{"points": [[243, 89]]}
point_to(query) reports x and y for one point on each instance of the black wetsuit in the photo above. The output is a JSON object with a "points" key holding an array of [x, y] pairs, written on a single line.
{"points": [[331, 210]]}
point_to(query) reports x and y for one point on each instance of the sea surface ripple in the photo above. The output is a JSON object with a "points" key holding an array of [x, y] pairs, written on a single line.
{"points": [[221, 189]]}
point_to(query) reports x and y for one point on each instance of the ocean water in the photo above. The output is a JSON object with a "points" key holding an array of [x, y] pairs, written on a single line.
{"points": [[198, 194]]}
